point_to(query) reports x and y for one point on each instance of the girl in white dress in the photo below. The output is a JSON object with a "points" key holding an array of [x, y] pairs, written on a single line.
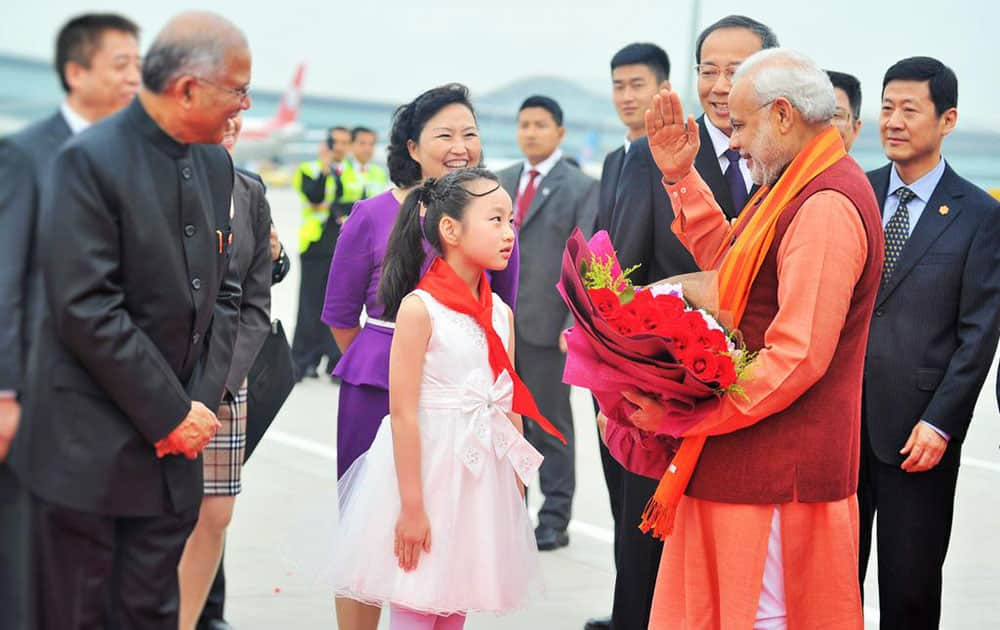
{"points": [[433, 519]]}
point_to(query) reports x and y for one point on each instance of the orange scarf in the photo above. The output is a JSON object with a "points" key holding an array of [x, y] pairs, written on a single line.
{"points": [[443, 283], [738, 267]]}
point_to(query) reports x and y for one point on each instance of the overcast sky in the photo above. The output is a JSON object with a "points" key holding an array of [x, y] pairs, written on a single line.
{"points": [[392, 49]]}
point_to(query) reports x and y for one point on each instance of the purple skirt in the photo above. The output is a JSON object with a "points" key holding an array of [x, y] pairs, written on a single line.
{"points": [[359, 415]]}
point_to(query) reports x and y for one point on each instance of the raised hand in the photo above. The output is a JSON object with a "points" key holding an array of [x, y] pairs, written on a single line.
{"points": [[191, 435], [672, 141]]}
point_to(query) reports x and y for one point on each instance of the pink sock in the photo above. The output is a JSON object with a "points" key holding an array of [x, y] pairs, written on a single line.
{"points": [[403, 619]]}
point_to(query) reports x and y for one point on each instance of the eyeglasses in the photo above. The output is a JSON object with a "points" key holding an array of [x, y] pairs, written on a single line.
{"points": [[709, 72], [242, 93], [842, 115]]}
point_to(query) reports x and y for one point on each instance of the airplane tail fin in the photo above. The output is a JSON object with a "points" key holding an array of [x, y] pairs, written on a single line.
{"points": [[291, 100]]}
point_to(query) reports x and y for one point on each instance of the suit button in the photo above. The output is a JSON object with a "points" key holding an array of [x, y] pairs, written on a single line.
{"points": [[189, 230], [194, 339], [879, 313], [196, 283], [186, 172]]}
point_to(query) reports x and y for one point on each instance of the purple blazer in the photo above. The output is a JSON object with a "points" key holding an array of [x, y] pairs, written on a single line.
{"points": [[353, 284]]}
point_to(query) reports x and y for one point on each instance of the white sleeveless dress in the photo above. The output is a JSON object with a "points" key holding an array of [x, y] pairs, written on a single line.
{"points": [[483, 554]]}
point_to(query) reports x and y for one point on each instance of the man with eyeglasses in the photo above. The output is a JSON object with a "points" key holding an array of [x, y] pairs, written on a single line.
{"points": [[719, 51], [135, 241], [847, 117]]}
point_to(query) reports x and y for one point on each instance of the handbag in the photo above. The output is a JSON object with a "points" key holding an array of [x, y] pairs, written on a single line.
{"points": [[269, 384]]}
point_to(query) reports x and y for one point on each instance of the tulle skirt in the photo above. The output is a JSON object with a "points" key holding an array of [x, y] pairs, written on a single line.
{"points": [[483, 556]]}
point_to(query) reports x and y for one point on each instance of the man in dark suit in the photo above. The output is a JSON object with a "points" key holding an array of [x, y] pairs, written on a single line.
{"points": [[134, 240], [931, 343], [97, 58], [640, 232], [638, 72], [552, 198]]}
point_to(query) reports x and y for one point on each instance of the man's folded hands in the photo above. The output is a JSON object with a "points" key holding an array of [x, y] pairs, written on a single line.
{"points": [[191, 435]]}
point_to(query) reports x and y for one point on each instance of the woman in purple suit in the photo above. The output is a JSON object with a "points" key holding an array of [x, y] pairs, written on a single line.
{"points": [[434, 134]]}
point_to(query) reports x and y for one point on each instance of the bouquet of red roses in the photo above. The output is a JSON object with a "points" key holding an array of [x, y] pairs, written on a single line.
{"points": [[665, 340]]}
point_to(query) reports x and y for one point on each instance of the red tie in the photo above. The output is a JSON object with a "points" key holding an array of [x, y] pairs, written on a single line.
{"points": [[524, 201]]}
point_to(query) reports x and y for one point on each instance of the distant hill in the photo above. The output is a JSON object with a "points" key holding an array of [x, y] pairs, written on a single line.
{"points": [[579, 104]]}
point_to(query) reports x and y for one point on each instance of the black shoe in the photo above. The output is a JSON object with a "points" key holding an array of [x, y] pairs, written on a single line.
{"points": [[549, 538], [215, 624], [598, 623]]}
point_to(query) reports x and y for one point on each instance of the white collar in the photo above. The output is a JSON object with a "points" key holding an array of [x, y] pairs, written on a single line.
{"points": [[720, 141], [76, 122], [545, 165]]}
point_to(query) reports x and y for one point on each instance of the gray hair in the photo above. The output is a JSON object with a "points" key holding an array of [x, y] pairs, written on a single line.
{"points": [[192, 44], [783, 73]]}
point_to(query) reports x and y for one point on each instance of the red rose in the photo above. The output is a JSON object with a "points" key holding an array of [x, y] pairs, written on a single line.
{"points": [[680, 336], [696, 323], [671, 306], [646, 311], [627, 322], [716, 340], [703, 363], [606, 302], [726, 374]]}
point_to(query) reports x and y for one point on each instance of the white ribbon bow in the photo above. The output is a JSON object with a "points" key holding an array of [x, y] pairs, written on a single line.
{"points": [[490, 429]]}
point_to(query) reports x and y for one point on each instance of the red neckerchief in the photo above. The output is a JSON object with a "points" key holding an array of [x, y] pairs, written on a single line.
{"points": [[443, 283]]}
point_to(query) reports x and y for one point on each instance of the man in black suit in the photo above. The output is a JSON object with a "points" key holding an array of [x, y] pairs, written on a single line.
{"points": [[97, 58], [932, 340], [640, 232], [134, 237], [638, 72]]}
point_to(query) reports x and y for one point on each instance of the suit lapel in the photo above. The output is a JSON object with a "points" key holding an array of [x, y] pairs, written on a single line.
{"points": [[706, 162], [930, 226], [57, 131], [546, 189], [612, 177], [510, 180]]}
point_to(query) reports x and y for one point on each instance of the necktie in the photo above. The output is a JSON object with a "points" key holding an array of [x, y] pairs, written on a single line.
{"points": [[897, 230], [524, 201], [734, 177]]}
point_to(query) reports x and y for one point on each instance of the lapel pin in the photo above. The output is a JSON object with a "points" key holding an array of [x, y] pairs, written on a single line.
{"points": [[943, 210], [545, 192]]}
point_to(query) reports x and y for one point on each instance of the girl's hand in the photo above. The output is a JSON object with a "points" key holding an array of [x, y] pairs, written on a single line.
{"points": [[413, 535]]}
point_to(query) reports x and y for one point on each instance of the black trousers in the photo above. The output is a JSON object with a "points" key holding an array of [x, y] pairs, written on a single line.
{"points": [[637, 555], [93, 572], [312, 340], [541, 369], [14, 557], [638, 558], [914, 512]]}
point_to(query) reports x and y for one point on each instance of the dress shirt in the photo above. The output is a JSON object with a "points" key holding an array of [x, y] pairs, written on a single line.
{"points": [[720, 144], [922, 189], [76, 122], [543, 169]]}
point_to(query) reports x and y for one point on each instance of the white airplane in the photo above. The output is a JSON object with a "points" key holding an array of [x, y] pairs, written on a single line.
{"points": [[264, 139]]}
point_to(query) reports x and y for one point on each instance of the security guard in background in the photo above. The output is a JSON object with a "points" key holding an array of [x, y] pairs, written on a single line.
{"points": [[372, 177], [328, 186]]}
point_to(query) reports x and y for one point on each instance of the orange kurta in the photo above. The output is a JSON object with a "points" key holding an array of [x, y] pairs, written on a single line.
{"points": [[712, 567]]}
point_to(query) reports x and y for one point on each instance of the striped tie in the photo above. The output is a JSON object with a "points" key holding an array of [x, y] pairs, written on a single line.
{"points": [[897, 230]]}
